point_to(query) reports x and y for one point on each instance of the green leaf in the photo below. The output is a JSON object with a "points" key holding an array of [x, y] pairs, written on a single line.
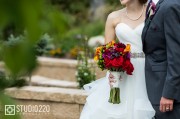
{"points": [[5, 100]]}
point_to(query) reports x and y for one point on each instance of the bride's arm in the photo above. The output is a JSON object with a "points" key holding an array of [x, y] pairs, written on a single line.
{"points": [[109, 36], [109, 29]]}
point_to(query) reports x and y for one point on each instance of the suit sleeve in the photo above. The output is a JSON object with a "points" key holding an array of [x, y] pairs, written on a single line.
{"points": [[172, 36]]}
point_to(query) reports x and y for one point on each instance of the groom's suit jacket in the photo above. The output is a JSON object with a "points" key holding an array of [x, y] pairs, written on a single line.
{"points": [[161, 45]]}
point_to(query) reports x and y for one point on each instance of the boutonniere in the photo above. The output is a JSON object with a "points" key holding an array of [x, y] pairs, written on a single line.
{"points": [[152, 10]]}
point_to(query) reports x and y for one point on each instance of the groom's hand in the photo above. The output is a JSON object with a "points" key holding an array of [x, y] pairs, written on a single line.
{"points": [[166, 104]]}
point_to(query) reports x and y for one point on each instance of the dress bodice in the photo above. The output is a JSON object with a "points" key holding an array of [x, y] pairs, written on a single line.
{"points": [[128, 35]]}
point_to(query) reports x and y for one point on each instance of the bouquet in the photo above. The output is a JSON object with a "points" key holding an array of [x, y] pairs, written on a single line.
{"points": [[114, 57]]}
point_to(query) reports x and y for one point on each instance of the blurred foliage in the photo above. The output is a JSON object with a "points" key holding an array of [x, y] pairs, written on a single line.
{"points": [[70, 6], [5, 100], [71, 38], [1, 50], [77, 8], [75, 19], [33, 17], [8, 81]]}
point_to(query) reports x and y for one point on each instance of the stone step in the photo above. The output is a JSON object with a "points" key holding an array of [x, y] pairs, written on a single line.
{"points": [[49, 94], [64, 103], [56, 68], [48, 82], [64, 69]]}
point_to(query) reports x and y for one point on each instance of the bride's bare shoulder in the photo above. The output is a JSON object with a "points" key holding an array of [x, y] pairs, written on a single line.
{"points": [[115, 16]]}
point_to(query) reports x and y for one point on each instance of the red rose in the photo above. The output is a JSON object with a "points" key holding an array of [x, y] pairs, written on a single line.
{"points": [[128, 67], [107, 62], [117, 62]]}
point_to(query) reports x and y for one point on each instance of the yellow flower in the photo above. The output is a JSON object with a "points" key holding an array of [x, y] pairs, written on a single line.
{"points": [[110, 44], [58, 50], [128, 48], [74, 51], [113, 42], [52, 52], [98, 50], [96, 58]]}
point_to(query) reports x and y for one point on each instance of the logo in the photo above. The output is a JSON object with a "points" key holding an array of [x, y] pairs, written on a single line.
{"points": [[10, 110], [24, 109]]}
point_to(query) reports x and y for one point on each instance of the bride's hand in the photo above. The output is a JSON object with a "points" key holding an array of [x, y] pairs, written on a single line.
{"points": [[111, 79]]}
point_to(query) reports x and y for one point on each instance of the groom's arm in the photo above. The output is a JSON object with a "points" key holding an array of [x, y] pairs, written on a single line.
{"points": [[172, 36]]}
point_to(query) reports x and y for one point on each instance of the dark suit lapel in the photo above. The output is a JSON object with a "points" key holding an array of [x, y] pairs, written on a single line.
{"points": [[149, 19], [158, 5]]}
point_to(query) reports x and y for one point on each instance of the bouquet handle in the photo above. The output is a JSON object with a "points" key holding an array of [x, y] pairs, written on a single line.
{"points": [[115, 90]]}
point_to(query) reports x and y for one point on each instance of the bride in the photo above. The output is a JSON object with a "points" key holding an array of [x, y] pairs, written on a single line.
{"points": [[127, 25]]}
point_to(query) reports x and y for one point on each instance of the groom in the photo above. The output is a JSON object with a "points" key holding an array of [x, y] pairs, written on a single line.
{"points": [[161, 45]]}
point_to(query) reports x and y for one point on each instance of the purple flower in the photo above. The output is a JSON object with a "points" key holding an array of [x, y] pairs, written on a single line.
{"points": [[128, 55], [153, 7]]}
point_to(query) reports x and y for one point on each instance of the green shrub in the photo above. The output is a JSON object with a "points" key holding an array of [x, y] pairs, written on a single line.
{"points": [[85, 72]]}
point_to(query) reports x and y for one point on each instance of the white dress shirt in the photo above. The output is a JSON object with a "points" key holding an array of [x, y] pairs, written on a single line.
{"points": [[155, 1]]}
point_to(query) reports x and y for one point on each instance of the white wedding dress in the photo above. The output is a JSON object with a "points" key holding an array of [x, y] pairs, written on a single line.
{"points": [[134, 100]]}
